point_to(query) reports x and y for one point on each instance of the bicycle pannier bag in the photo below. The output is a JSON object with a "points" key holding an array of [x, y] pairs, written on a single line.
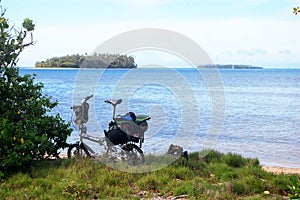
{"points": [[116, 136]]}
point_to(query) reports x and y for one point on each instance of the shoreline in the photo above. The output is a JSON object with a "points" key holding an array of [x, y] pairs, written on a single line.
{"points": [[281, 170]]}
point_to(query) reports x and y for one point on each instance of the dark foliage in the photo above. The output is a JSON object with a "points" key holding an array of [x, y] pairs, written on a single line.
{"points": [[27, 132]]}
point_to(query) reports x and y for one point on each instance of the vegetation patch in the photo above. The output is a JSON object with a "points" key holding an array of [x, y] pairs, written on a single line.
{"points": [[27, 131], [201, 177]]}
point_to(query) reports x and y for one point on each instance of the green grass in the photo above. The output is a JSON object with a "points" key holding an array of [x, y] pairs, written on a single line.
{"points": [[215, 176]]}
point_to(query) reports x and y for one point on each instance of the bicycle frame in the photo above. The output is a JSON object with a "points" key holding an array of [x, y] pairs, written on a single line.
{"points": [[123, 151], [115, 152], [84, 136]]}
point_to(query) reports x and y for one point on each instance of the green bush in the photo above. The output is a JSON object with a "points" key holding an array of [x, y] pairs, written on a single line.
{"points": [[27, 132]]}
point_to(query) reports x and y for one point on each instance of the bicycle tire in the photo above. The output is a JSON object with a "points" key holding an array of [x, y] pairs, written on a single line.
{"points": [[135, 155], [74, 149]]}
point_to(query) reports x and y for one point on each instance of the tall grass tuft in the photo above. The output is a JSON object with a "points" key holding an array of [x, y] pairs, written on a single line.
{"points": [[294, 188], [235, 160]]}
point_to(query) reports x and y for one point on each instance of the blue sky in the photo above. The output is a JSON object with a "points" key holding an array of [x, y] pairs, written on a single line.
{"points": [[255, 32]]}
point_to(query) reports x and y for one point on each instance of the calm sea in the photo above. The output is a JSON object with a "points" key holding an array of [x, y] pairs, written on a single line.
{"points": [[255, 113]]}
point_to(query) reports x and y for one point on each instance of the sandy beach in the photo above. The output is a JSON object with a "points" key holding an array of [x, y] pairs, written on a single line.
{"points": [[281, 170]]}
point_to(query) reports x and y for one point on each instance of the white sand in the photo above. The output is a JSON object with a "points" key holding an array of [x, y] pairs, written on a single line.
{"points": [[281, 170]]}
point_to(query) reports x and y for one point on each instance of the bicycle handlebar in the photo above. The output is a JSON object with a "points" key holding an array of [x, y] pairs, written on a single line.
{"points": [[112, 102], [87, 98], [84, 101]]}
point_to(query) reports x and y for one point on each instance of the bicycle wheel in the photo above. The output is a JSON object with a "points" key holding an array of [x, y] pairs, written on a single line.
{"points": [[134, 155], [76, 150]]}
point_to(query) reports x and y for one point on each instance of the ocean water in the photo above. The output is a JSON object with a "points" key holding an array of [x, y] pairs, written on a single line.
{"points": [[255, 113]]}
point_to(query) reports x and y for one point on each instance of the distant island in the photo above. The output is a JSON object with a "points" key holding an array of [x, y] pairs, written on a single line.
{"points": [[89, 61], [228, 66], [114, 61]]}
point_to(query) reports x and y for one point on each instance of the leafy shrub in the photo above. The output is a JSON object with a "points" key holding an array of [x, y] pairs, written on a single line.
{"points": [[26, 131], [1, 175]]}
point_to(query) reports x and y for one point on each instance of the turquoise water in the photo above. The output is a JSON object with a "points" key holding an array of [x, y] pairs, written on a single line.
{"points": [[252, 112]]}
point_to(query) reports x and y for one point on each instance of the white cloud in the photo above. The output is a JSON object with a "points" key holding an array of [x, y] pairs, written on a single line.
{"points": [[264, 42], [251, 52], [285, 52]]}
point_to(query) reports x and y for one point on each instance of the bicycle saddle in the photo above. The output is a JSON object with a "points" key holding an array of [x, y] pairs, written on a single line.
{"points": [[113, 102]]}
